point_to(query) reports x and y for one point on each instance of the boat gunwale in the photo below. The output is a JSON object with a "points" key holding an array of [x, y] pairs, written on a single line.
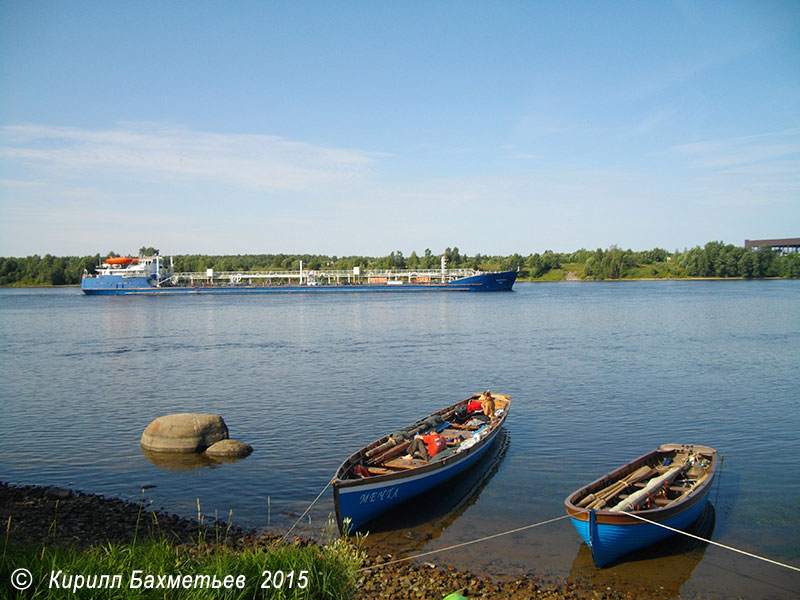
{"points": [[663, 513]]}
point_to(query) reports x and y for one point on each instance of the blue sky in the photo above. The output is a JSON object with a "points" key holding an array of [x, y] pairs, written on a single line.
{"points": [[369, 127]]}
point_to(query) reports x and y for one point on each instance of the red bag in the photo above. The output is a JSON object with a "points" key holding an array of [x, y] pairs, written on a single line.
{"points": [[475, 406]]}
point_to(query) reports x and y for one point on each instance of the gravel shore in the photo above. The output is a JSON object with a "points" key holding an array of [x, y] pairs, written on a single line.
{"points": [[39, 515]]}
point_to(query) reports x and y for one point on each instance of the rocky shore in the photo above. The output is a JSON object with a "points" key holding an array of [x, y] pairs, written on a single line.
{"points": [[39, 515]]}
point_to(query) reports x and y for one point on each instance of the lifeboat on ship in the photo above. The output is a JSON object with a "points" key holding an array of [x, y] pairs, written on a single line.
{"points": [[122, 260]]}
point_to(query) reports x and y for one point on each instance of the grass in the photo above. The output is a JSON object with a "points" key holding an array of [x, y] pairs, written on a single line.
{"points": [[553, 275], [650, 271], [326, 570]]}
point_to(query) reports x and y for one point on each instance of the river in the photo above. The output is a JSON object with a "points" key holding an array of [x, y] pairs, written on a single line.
{"points": [[599, 373]]}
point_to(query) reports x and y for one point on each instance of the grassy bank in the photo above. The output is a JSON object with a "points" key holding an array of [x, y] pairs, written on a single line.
{"points": [[76, 545], [160, 568]]}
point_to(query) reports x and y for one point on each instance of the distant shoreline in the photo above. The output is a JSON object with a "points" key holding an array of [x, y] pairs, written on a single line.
{"points": [[578, 280], [527, 280]]}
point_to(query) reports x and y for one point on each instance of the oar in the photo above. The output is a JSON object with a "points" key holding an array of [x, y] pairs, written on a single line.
{"points": [[390, 453], [384, 446], [617, 486], [657, 483], [392, 442], [599, 499]]}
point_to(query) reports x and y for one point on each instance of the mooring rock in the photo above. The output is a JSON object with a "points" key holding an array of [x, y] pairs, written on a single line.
{"points": [[229, 448], [185, 432]]}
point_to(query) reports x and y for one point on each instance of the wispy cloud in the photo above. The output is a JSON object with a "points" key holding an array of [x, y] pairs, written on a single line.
{"points": [[256, 161], [652, 121], [683, 68], [725, 153]]}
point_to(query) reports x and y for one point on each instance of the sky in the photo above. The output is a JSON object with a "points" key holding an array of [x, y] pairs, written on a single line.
{"points": [[364, 128]]}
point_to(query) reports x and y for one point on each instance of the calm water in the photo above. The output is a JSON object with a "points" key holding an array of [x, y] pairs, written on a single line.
{"points": [[599, 373]]}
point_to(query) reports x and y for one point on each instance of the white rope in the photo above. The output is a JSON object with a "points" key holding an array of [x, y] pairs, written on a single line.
{"points": [[483, 539], [732, 549], [306, 511]]}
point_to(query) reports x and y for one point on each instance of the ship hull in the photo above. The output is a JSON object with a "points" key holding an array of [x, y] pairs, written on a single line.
{"points": [[116, 285]]}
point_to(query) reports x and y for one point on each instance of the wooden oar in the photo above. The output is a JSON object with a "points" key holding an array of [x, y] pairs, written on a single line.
{"points": [[611, 490], [384, 446], [601, 498], [390, 453], [392, 442], [654, 485]]}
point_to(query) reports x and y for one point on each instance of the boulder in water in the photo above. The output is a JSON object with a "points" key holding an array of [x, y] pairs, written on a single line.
{"points": [[184, 432], [229, 449]]}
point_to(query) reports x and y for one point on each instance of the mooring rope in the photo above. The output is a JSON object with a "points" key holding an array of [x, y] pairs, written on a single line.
{"points": [[285, 535], [731, 548], [540, 523], [453, 547]]}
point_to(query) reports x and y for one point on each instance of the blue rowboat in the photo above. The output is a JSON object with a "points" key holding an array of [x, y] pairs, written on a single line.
{"points": [[668, 486], [382, 476]]}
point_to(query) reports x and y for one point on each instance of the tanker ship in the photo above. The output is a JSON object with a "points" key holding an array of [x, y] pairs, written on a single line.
{"points": [[125, 275]]}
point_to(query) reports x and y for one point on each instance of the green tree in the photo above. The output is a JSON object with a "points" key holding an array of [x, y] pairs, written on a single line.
{"points": [[765, 261], [790, 265], [747, 265]]}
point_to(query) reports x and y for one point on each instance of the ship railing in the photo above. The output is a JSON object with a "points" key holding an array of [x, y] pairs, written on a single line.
{"points": [[320, 274]]}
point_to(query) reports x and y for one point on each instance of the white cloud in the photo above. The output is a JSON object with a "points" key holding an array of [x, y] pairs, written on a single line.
{"points": [[254, 161], [74, 191]]}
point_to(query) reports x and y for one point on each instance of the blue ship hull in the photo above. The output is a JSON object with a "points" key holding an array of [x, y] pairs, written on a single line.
{"points": [[612, 535], [117, 285], [359, 501]]}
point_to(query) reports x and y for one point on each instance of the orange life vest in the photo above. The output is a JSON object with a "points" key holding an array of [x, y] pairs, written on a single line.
{"points": [[435, 442]]}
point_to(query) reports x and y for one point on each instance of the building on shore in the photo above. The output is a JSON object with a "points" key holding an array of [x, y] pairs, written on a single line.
{"points": [[783, 245]]}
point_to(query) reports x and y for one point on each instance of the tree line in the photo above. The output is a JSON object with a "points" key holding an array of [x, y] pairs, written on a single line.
{"points": [[715, 259]]}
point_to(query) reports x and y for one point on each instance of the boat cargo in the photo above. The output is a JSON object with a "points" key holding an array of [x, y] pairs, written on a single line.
{"points": [[667, 486], [383, 474], [155, 275]]}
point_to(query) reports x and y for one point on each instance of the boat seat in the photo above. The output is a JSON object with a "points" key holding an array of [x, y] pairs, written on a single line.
{"points": [[680, 488], [401, 463], [379, 471]]}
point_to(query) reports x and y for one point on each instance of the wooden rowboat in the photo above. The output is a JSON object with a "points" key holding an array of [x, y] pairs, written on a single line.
{"points": [[381, 475], [667, 485]]}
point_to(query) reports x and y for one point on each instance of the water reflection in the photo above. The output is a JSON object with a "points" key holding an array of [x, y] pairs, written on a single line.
{"points": [[665, 566], [183, 461], [424, 519]]}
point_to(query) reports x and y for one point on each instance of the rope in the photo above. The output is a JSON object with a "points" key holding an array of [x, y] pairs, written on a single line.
{"points": [[769, 560], [483, 539], [285, 535]]}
